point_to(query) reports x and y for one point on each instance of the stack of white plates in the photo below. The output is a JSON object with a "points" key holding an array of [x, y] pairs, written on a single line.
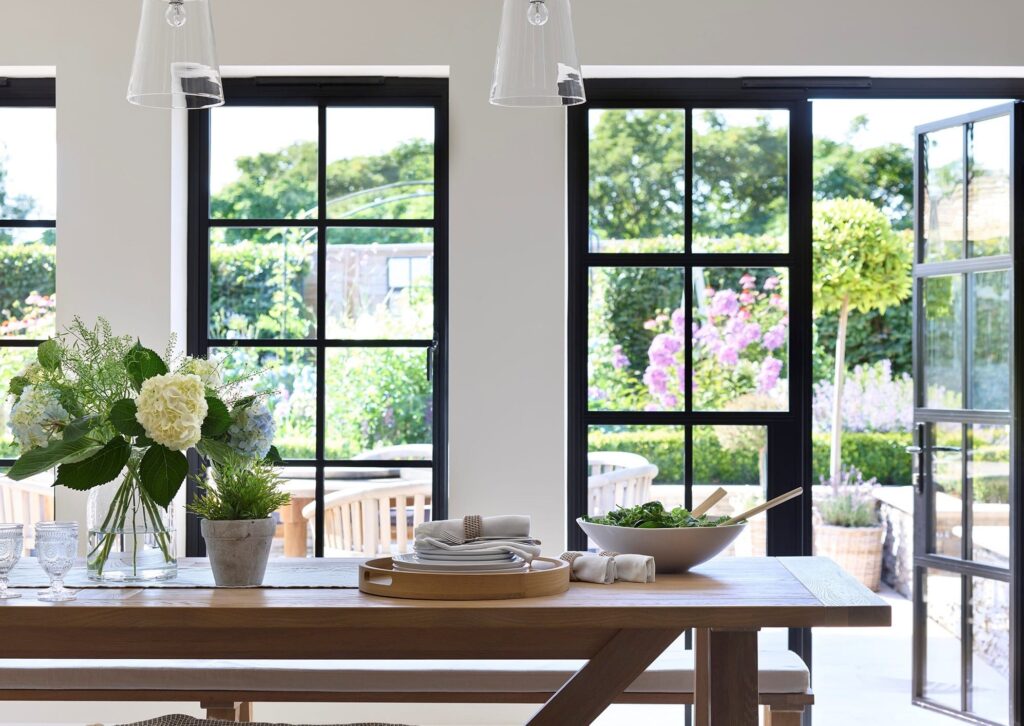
{"points": [[484, 561]]}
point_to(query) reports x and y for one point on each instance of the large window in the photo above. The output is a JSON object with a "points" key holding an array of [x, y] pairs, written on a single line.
{"points": [[28, 201], [318, 252]]}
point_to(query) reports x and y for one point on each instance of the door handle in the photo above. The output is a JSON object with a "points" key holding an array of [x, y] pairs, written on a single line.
{"points": [[922, 449]]}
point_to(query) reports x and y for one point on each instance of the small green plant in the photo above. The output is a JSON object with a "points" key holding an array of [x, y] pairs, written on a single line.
{"points": [[242, 489], [849, 502], [653, 515]]}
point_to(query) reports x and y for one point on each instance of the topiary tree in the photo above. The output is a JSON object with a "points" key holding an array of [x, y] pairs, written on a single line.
{"points": [[860, 263]]}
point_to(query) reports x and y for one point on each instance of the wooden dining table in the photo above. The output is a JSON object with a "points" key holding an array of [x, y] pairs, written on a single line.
{"points": [[618, 629]]}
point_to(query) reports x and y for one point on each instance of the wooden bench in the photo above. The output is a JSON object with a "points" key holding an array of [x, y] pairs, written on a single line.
{"points": [[227, 688]]}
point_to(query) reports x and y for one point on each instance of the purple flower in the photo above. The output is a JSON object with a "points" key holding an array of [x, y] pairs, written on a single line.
{"points": [[747, 297], [596, 394], [669, 400], [728, 355], [706, 333], [619, 359], [740, 334], [748, 281], [768, 376], [775, 337], [771, 283], [679, 321], [778, 301], [681, 377], [656, 379], [724, 302]]}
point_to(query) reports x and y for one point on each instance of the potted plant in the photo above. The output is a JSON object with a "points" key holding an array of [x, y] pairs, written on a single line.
{"points": [[847, 528], [242, 493]]}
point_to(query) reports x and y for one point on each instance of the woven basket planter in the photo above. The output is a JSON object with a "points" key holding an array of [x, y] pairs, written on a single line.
{"points": [[858, 550]]}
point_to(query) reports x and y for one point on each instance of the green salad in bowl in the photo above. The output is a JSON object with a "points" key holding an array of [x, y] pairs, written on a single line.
{"points": [[653, 515]]}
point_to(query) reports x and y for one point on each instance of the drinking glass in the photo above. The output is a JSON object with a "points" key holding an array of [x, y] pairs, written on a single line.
{"points": [[56, 546], [11, 542]]}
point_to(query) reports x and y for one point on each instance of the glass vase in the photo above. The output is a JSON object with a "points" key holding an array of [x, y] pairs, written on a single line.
{"points": [[131, 537]]}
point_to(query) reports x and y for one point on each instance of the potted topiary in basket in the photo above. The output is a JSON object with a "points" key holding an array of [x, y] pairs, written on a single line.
{"points": [[237, 524], [847, 528]]}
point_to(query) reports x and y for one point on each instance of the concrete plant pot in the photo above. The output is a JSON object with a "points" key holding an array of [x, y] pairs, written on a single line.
{"points": [[238, 550]]}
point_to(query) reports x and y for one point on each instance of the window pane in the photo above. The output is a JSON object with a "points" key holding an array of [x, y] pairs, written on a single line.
{"points": [[942, 638], [376, 397], [947, 478], [262, 283], [989, 469], [988, 215], [380, 163], [637, 180], [990, 325], [990, 626], [636, 327], [289, 375], [263, 162], [733, 457], [943, 341], [26, 502], [740, 180], [28, 300], [380, 283], [28, 163], [943, 196], [740, 339]]}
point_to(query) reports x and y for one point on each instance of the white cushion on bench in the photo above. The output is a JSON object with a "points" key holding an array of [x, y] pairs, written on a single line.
{"points": [[779, 672]]}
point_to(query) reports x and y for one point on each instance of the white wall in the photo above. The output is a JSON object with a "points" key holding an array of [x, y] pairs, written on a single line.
{"points": [[507, 171]]}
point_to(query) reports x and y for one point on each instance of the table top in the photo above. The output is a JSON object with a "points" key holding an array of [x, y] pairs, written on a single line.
{"points": [[726, 592]]}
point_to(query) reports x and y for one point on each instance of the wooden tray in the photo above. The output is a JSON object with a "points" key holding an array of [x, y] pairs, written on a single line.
{"points": [[548, 577]]}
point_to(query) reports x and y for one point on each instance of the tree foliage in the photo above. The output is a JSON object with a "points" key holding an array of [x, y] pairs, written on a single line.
{"points": [[858, 257]]}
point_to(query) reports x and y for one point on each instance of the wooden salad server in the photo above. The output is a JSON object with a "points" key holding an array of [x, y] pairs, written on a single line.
{"points": [[764, 506], [702, 508]]}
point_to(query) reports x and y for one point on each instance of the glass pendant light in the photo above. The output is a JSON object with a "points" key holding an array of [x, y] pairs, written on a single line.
{"points": [[537, 63], [175, 57]]}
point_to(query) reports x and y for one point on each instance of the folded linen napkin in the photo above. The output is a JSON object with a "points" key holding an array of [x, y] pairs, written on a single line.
{"points": [[632, 568], [527, 551], [588, 567], [507, 526]]}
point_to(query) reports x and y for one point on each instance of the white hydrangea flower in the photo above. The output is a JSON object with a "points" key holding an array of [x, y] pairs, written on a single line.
{"points": [[252, 431], [37, 417], [207, 370], [171, 409]]}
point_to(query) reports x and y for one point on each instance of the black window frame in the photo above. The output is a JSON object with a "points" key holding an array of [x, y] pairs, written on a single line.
{"points": [[324, 93], [786, 536], [26, 93]]}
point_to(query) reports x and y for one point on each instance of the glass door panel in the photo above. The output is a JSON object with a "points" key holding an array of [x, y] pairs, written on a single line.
{"points": [[963, 365]]}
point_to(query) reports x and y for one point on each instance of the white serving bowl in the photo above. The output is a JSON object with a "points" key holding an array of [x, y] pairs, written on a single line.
{"points": [[675, 549]]}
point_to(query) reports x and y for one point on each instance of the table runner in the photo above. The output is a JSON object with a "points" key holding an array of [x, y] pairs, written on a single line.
{"points": [[194, 572]]}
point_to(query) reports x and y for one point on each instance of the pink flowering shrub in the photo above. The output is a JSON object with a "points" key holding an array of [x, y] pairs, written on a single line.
{"points": [[739, 339], [34, 318]]}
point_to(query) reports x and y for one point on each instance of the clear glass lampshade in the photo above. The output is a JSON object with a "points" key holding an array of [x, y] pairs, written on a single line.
{"points": [[176, 57], [537, 63]]}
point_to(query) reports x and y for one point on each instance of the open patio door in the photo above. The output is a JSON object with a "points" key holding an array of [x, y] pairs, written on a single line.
{"points": [[967, 453]]}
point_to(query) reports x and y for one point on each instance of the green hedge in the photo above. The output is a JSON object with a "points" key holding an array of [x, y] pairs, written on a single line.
{"points": [[26, 269], [877, 455]]}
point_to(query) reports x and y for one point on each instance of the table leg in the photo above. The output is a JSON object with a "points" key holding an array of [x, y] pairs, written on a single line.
{"points": [[295, 527], [605, 676], [726, 678]]}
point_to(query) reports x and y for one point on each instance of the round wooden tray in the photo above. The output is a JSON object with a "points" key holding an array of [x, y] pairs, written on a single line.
{"points": [[548, 577]]}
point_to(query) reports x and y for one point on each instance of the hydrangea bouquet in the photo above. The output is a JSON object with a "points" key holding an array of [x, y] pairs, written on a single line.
{"points": [[98, 407]]}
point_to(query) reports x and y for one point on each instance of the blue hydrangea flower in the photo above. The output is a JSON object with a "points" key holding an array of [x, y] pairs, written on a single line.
{"points": [[252, 431]]}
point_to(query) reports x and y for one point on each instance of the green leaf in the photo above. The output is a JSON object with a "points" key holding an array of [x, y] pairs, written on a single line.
{"points": [[80, 427], [243, 403], [101, 467], [274, 456], [142, 364], [69, 402], [17, 385], [218, 418], [122, 418], [143, 441], [162, 471], [48, 354], [216, 450], [39, 460]]}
